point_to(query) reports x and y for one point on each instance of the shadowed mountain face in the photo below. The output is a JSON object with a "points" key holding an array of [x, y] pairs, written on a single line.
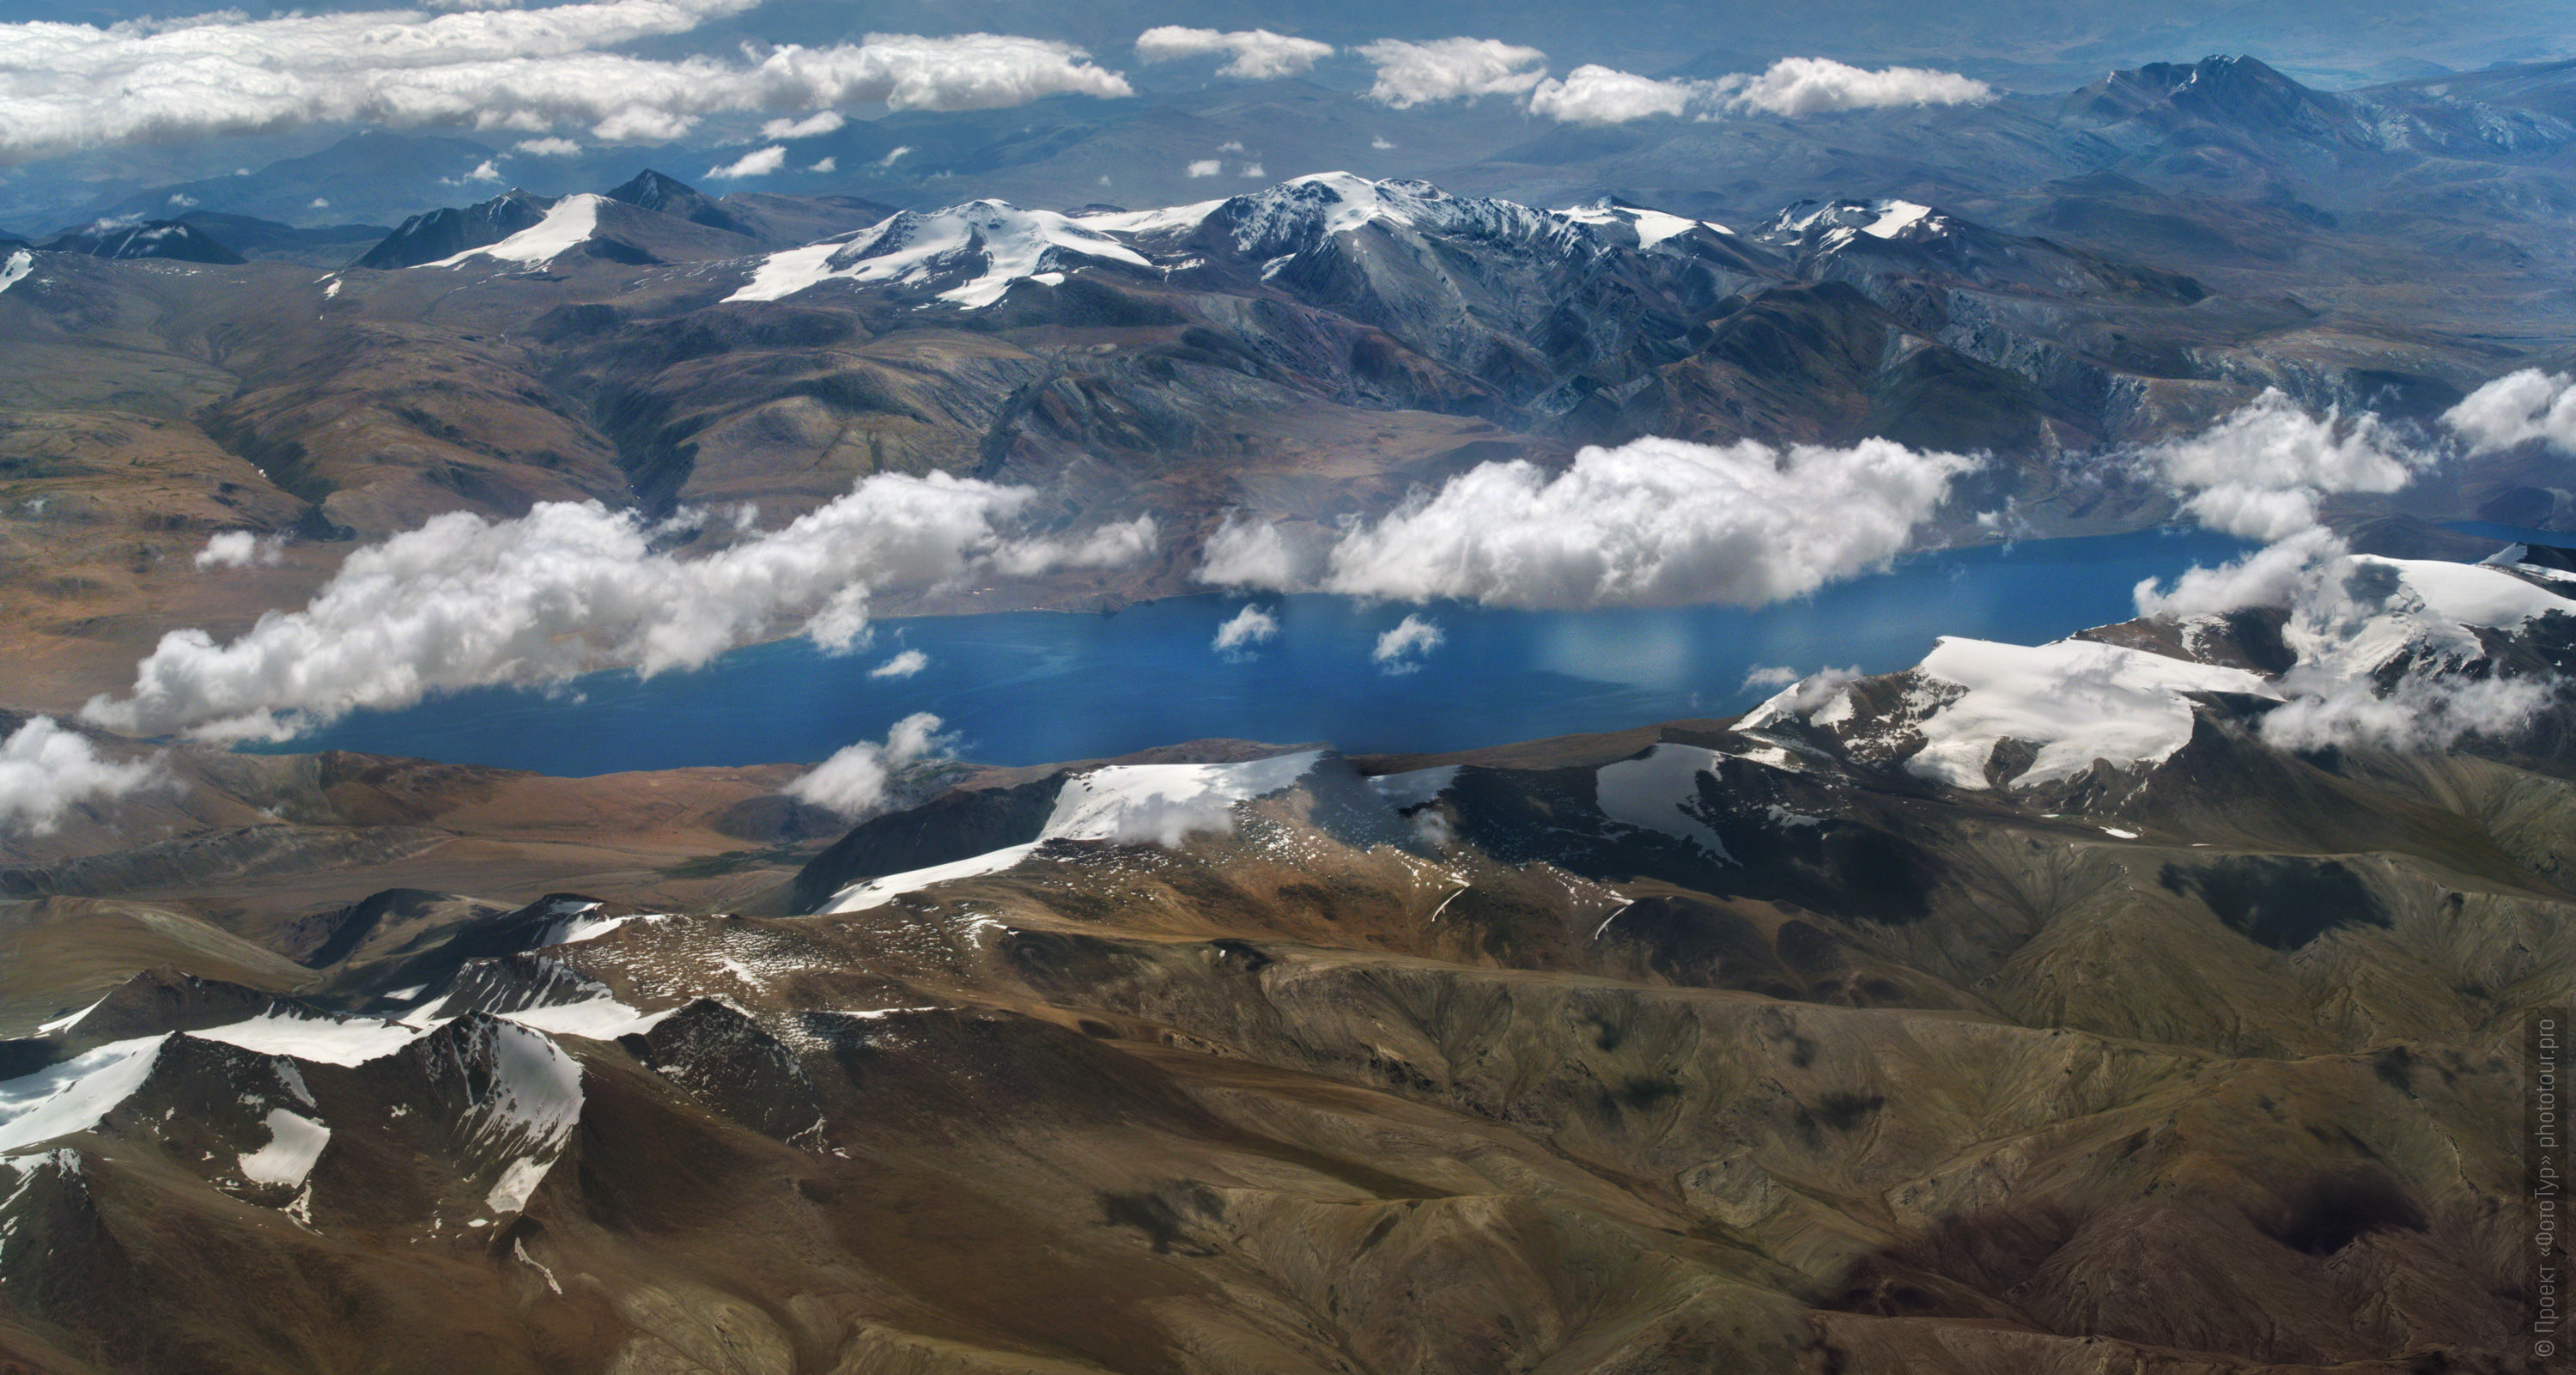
{"points": [[439, 234], [174, 240], [1949, 1020], [1298, 352]]}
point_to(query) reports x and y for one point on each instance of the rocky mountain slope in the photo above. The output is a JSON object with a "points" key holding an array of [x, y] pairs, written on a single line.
{"points": [[2066, 1007], [1300, 352]]}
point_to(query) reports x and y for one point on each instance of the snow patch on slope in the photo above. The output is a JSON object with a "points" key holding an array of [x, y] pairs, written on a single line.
{"points": [[75, 1095], [1893, 218], [16, 269], [314, 1036], [1165, 802], [879, 891], [570, 223], [602, 1018], [1170, 219], [67, 1021], [1652, 226], [1123, 804], [294, 1143], [527, 1113]]}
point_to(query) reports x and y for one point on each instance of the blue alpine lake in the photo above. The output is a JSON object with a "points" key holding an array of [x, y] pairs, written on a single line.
{"points": [[1034, 687]]}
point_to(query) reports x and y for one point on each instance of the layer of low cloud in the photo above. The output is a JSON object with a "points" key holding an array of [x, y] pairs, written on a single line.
{"points": [[549, 147], [240, 549], [2378, 664], [854, 781], [1402, 649], [1792, 86], [1801, 695], [2420, 711], [574, 587], [1770, 677], [65, 87], [1410, 74], [1654, 522], [760, 162], [1107, 546], [1814, 85], [2516, 409], [46, 771], [903, 665], [2270, 576], [812, 126], [1251, 626], [1605, 95], [1253, 54], [2261, 472]]}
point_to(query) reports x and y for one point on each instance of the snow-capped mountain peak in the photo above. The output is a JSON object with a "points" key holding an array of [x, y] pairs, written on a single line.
{"points": [[565, 227], [979, 249], [1833, 224]]}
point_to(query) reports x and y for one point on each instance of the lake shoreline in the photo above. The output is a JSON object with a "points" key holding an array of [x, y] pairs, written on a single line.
{"points": [[1029, 687]]}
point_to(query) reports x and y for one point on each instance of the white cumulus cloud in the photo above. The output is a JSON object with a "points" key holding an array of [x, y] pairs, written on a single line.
{"points": [[2261, 471], [1410, 74], [574, 587], [46, 771], [1253, 54], [2420, 711], [1654, 522], [1205, 167], [759, 162], [813, 125], [549, 147], [903, 665], [1791, 86], [1604, 95], [1800, 695], [1249, 552], [1813, 85], [1108, 546], [853, 781], [2270, 576], [2517, 408], [1244, 629], [2384, 649], [65, 87], [240, 549], [1401, 650], [1771, 677]]}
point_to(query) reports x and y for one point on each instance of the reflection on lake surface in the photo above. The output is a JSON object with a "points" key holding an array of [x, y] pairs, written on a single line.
{"points": [[1033, 687]]}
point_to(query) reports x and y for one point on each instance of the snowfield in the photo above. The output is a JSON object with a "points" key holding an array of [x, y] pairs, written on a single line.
{"points": [[2078, 701], [566, 227], [1123, 804]]}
